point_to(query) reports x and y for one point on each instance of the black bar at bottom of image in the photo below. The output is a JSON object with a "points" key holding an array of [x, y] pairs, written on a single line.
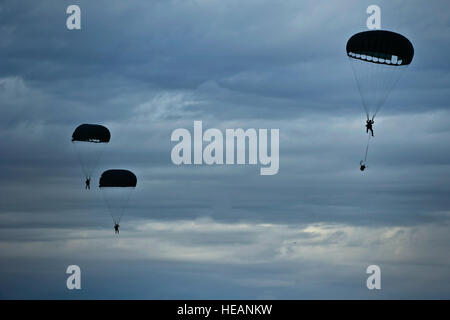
{"points": [[220, 309]]}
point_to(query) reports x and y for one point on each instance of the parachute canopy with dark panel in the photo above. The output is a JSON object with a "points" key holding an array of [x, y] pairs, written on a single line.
{"points": [[91, 133], [381, 47], [118, 178]]}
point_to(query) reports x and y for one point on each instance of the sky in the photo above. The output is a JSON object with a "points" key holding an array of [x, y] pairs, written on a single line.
{"points": [[146, 68]]}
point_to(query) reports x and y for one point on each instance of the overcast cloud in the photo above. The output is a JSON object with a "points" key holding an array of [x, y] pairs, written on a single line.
{"points": [[146, 68]]}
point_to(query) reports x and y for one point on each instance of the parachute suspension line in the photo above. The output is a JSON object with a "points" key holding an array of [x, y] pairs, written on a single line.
{"points": [[393, 80], [97, 159], [359, 88], [121, 209], [80, 160], [385, 86], [376, 86], [89, 158], [375, 83], [105, 198], [124, 206]]}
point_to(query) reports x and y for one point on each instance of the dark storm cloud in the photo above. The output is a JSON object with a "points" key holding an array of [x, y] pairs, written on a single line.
{"points": [[145, 68]]}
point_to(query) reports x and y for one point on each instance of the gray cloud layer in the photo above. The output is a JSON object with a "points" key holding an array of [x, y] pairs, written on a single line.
{"points": [[145, 68]]}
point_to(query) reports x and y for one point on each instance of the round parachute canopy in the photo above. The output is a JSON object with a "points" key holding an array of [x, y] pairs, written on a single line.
{"points": [[117, 178], [381, 47], [116, 186], [91, 133], [90, 140], [378, 58]]}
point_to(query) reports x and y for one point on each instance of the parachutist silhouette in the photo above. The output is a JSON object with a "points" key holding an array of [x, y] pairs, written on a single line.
{"points": [[369, 124], [88, 183], [116, 227], [362, 165]]}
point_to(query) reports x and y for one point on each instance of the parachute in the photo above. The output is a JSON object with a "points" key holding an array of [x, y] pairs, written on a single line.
{"points": [[116, 186], [378, 58], [89, 141]]}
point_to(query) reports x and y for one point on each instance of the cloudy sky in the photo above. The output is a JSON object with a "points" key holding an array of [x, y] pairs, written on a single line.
{"points": [[146, 68]]}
